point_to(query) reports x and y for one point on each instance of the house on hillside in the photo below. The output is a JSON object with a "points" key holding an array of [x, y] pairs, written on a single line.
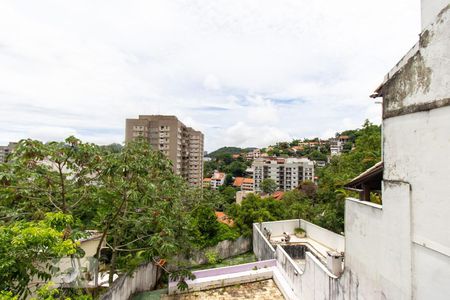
{"points": [[244, 184], [214, 181]]}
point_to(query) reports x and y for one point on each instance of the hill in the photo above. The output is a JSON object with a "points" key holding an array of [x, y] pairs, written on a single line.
{"points": [[225, 150]]}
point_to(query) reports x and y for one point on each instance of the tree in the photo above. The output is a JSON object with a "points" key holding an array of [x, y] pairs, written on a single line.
{"points": [[228, 180], [237, 168], [27, 247], [205, 226], [229, 194], [57, 176], [268, 186], [317, 155], [112, 147], [141, 210], [131, 196], [254, 209]]}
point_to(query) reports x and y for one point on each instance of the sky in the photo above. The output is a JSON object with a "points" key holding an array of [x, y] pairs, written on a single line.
{"points": [[247, 73]]}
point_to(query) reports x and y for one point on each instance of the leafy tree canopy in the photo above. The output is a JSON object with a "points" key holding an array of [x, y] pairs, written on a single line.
{"points": [[268, 186]]}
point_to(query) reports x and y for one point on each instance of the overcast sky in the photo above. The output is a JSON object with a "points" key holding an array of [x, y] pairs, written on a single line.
{"points": [[246, 73]]}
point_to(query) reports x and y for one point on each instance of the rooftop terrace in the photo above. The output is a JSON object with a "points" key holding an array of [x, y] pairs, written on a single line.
{"points": [[263, 290]]}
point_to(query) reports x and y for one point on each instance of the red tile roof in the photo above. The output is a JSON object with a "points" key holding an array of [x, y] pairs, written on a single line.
{"points": [[218, 176], [223, 218], [278, 195], [248, 180], [238, 181]]}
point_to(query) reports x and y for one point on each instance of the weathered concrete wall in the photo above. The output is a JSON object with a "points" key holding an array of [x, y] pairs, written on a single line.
{"points": [[430, 9], [278, 227], [422, 159], [143, 279], [416, 144], [378, 256], [421, 80], [223, 250], [261, 247], [314, 282], [333, 240]]}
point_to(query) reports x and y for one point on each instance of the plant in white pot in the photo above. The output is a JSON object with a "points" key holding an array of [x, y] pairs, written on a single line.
{"points": [[299, 232]]}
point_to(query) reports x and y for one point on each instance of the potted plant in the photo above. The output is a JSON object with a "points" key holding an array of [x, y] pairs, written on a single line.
{"points": [[299, 232]]}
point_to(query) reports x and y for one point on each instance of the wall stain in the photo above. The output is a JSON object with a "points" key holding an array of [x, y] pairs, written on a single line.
{"points": [[413, 78], [425, 38]]}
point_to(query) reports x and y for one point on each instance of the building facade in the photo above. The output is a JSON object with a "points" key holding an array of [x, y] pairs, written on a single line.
{"points": [[5, 151], [254, 154], [215, 181], [181, 144], [244, 184], [288, 173]]}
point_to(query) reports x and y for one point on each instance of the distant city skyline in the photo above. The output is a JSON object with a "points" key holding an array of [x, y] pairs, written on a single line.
{"points": [[245, 73]]}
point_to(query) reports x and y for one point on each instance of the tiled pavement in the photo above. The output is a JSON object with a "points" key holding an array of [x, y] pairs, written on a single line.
{"points": [[260, 290]]}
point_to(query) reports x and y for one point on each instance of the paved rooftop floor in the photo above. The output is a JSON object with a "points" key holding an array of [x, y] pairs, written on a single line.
{"points": [[260, 290]]}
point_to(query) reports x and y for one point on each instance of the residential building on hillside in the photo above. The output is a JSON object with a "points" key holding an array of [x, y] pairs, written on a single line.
{"points": [[255, 153], [337, 144], [244, 184], [217, 180], [288, 173], [297, 148], [181, 144], [207, 182], [320, 163], [6, 150]]}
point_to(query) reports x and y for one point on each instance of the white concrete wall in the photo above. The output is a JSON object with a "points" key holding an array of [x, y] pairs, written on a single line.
{"points": [[324, 236], [402, 249], [430, 79], [378, 248], [315, 282], [278, 227], [430, 9], [417, 148], [261, 247], [321, 235], [224, 249], [144, 278]]}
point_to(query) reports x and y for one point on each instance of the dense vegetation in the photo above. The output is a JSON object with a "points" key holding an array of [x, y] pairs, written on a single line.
{"points": [[228, 151], [51, 193], [226, 163]]}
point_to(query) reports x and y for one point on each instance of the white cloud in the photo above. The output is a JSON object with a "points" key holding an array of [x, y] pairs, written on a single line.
{"points": [[211, 82], [47, 133], [245, 135], [87, 65]]}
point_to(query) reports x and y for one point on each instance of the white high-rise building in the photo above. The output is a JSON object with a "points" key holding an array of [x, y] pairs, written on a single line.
{"points": [[288, 173]]}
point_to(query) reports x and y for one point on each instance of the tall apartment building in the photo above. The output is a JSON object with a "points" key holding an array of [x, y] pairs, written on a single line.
{"points": [[182, 145], [288, 173], [5, 150]]}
